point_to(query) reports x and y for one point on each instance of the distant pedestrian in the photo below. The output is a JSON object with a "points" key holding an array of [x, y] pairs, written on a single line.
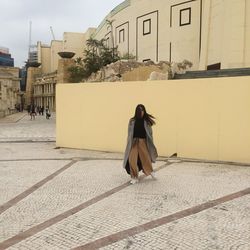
{"points": [[47, 111], [39, 110], [140, 151], [32, 112], [28, 109]]}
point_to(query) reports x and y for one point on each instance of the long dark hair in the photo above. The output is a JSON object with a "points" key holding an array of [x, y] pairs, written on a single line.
{"points": [[147, 117]]}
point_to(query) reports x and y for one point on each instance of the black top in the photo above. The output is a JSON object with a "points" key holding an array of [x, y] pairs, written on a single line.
{"points": [[139, 130]]}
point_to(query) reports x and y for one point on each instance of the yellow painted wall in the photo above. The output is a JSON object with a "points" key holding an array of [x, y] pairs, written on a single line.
{"points": [[201, 118]]}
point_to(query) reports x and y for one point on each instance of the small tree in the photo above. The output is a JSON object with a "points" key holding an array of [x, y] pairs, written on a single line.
{"points": [[96, 56], [77, 72]]}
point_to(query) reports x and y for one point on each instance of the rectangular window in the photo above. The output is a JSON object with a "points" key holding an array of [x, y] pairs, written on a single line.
{"points": [[121, 36], [185, 16], [147, 27]]}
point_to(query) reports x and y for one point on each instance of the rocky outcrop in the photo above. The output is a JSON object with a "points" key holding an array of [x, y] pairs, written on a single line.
{"points": [[130, 70]]}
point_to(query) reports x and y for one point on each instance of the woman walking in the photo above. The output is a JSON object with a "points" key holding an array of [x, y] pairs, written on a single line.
{"points": [[140, 151]]}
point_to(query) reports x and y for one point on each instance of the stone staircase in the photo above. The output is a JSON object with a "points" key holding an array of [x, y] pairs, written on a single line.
{"points": [[213, 73]]}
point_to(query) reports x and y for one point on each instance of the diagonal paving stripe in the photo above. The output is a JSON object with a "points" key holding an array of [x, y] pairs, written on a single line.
{"points": [[108, 240], [32, 189], [28, 233], [60, 217]]}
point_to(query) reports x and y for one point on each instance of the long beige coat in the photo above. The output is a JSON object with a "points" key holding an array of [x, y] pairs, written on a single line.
{"points": [[149, 141]]}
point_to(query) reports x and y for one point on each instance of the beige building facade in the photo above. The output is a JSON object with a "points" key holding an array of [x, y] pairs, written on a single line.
{"points": [[44, 85], [44, 91], [32, 74], [44, 57], [72, 42], [76, 42], [48, 55], [212, 34], [10, 94], [42, 80]]}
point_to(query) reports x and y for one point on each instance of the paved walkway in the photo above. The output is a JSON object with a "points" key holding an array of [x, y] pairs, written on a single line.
{"points": [[19, 127], [13, 118], [77, 199]]}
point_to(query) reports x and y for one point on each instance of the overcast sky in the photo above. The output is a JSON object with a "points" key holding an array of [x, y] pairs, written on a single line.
{"points": [[62, 15]]}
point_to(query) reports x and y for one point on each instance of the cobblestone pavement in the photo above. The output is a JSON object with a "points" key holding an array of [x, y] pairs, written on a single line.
{"points": [[77, 199], [19, 127]]}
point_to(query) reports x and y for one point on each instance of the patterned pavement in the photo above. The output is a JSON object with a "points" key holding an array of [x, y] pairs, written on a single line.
{"points": [[77, 199]]}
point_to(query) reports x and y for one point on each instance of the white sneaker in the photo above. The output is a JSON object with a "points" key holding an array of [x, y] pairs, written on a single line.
{"points": [[153, 175], [133, 181]]}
